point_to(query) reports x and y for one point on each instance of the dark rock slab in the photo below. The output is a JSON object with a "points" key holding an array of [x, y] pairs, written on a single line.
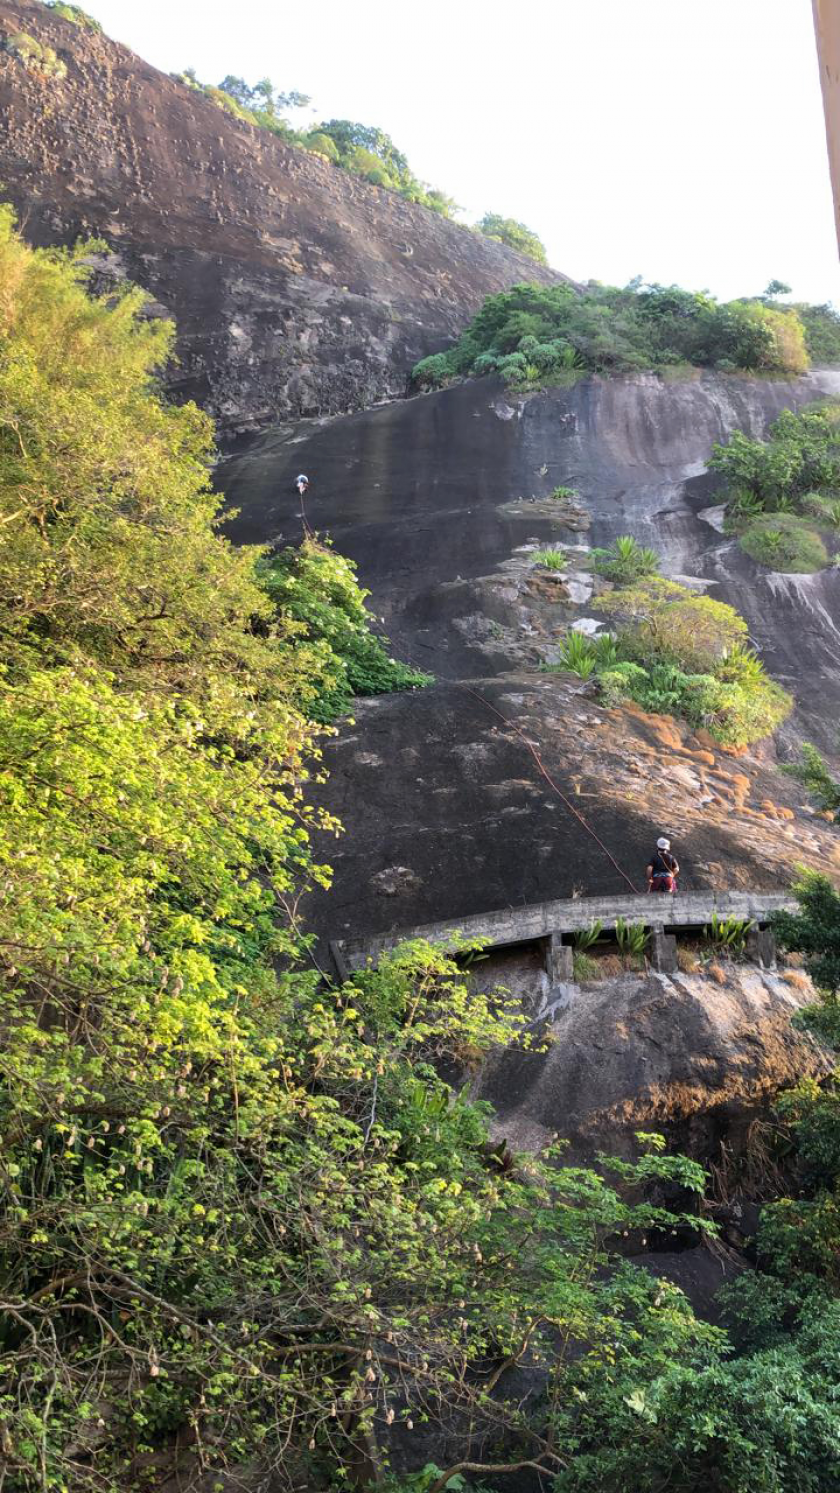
{"points": [[296, 287]]}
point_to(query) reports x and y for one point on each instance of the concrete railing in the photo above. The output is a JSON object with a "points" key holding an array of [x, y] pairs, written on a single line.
{"points": [[550, 921]]}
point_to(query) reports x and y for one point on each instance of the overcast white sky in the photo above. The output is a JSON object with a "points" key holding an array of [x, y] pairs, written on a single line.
{"points": [[682, 140]]}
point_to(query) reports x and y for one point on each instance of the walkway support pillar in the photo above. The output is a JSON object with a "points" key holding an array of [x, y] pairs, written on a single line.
{"points": [[663, 951], [761, 947], [558, 960]]}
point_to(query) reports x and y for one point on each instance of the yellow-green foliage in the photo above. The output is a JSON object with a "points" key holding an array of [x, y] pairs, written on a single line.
{"points": [[784, 542], [686, 655], [73, 13], [666, 621], [237, 1208], [321, 145], [33, 54], [780, 336]]}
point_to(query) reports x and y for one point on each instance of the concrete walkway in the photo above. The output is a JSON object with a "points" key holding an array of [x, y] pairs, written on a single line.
{"points": [[551, 921]]}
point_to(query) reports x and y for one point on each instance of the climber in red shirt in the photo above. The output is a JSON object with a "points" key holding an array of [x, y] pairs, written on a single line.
{"points": [[663, 869]]}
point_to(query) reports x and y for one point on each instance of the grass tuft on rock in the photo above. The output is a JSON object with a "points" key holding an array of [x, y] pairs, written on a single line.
{"points": [[784, 542]]}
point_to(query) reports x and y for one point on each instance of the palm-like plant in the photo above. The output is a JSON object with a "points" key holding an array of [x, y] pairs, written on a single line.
{"points": [[586, 937], [626, 560], [551, 559], [578, 655], [728, 934], [631, 938]]}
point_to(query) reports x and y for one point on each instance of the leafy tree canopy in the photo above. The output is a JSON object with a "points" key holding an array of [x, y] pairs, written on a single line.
{"points": [[782, 491], [238, 1207], [363, 149], [535, 334], [242, 1212], [515, 235]]}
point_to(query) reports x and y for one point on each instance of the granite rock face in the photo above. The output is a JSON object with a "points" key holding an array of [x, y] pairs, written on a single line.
{"points": [[297, 288], [442, 501], [691, 1057]]}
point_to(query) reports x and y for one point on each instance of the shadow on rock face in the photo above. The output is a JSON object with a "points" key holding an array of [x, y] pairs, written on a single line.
{"points": [[682, 1055]]}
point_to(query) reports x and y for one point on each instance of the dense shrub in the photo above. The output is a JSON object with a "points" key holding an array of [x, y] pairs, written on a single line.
{"points": [[734, 714], [813, 773], [663, 622], [799, 458], [73, 13], [317, 587], [677, 653], [33, 54], [515, 235], [822, 333], [780, 491], [557, 329], [784, 542], [432, 372], [321, 145]]}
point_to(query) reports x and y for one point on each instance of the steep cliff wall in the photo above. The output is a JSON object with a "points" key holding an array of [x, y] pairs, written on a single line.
{"points": [[442, 500], [296, 287]]}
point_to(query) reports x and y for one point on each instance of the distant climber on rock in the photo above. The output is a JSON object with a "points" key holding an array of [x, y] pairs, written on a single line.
{"points": [[663, 869], [301, 483]]}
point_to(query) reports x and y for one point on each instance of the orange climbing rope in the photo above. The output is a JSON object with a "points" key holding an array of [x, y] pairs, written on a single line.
{"points": [[512, 725], [547, 775]]}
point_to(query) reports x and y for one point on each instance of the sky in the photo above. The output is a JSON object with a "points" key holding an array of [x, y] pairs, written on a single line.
{"points": [[679, 140]]}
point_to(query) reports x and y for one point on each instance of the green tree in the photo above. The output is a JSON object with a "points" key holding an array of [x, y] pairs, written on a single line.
{"points": [[515, 235], [800, 456], [262, 97], [238, 1207], [350, 136], [535, 334], [317, 588], [814, 774], [814, 930]]}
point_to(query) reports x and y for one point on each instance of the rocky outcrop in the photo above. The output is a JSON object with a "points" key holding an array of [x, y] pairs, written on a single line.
{"points": [[297, 288], [443, 500], [693, 1057]]}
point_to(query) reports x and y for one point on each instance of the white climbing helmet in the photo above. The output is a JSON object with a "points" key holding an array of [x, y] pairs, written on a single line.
{"points": [[663, 844]]}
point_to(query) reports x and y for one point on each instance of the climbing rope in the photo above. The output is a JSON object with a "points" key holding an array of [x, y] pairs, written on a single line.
{"points": [[512, 725], [304, 521]]}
